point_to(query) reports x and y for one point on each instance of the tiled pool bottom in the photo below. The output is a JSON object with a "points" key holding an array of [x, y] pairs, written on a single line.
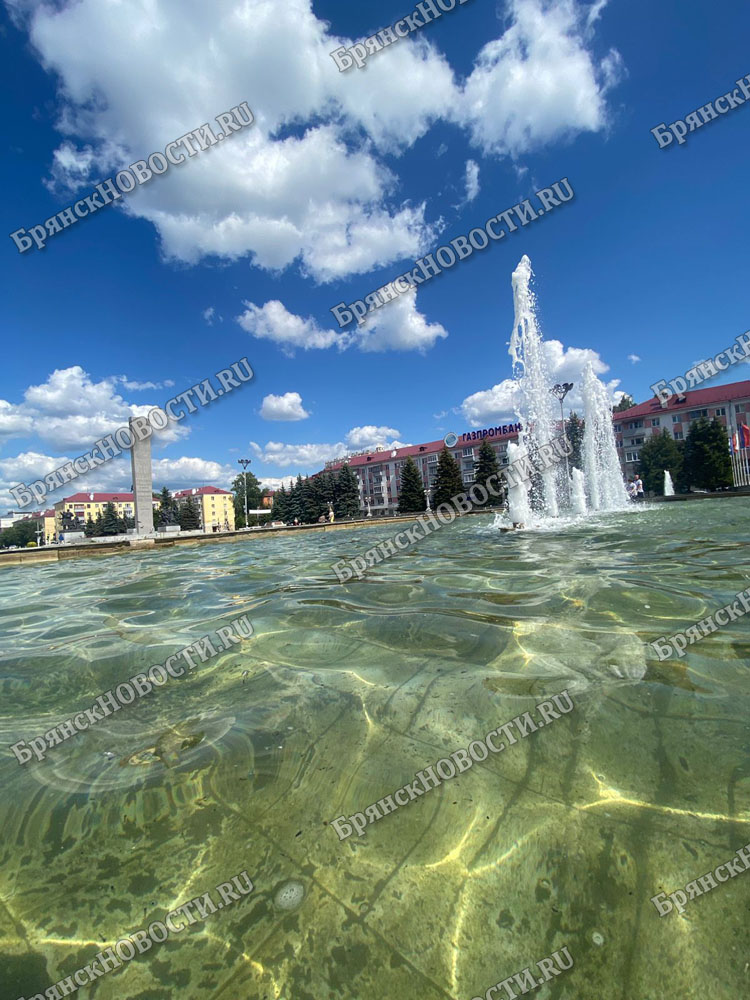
{"points": [[340, 697]]}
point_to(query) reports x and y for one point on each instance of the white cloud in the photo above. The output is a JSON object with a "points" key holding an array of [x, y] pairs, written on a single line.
{"points": [[275, 483], [208, 315], [634, 358], [538, 83], [399, 326], [135, 386], [563, 364], [472, 180], [312, 457], [273, 321], [286, 407], [309, 181], [369, 436]]}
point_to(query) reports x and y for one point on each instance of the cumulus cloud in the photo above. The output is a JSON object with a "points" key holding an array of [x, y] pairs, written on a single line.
{"points": [[286, 407], [313, 181], [634, 358], [399, 326], [472, 180], [273, 321], [311, 457], [563, 364], [539, 82]]}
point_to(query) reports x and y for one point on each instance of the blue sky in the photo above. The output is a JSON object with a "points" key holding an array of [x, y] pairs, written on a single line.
{"points": [[341, 183]]}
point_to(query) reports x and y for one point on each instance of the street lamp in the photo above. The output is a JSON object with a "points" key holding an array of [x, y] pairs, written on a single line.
{"points": [[244, 462], [560, 391]]}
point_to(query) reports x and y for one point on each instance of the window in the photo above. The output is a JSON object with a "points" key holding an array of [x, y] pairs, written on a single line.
{"points": [[618, 428], [695, 414], [468, 452], [676, 418], [738, 407], [656, 422], [721, 411], [632, 456], [634, 424], [432, 459], [678, 435]]}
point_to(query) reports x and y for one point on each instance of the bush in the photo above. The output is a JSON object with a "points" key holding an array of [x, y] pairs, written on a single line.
{"points": [[30, 545]]}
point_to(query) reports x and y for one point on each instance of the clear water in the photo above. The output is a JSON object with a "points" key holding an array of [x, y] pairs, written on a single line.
{"points": [[350, 690]]}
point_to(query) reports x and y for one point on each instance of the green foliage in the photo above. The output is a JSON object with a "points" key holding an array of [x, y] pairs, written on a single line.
{"points": [[190, 514], [411, 497], [111, 523], [254, 494], [346, 502], [660, 452], [448, 483], [19, 534], [280, 509], [167, 511], [574, 434], [625, 404], [706, 463], [487, 467], [89, 529]]}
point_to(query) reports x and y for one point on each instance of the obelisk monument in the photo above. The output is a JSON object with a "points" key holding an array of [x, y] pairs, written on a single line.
{"points": [[140, 463]]}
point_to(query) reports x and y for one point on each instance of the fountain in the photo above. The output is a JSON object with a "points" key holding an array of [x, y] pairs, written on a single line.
{"points": [[577, 492], [600, 487], [668, 484]]}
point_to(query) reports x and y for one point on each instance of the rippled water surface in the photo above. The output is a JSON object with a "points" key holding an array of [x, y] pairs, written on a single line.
{"points": [[341, 695]]}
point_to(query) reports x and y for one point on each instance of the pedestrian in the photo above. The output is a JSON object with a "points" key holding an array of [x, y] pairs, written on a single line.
{"points": [[639, 494]]}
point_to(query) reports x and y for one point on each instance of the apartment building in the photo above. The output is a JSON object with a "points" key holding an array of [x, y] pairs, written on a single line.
{"points": [[85, 505], [379, 471], [216, 507], [729, 404]]}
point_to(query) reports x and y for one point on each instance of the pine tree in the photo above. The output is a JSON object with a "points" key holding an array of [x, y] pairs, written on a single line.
{"points": [[625, 404], [110, 521], [89, 529], [280, 508], [190, 516], [574, 434], [346, 503], [706, 463], [308, 502], [658, 453], [98, 525], [167, 509], [487, 467], [411, 497], [448, 482]]}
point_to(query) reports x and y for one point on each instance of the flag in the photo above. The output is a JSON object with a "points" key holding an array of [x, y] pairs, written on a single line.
{"points": [[743, 432]]}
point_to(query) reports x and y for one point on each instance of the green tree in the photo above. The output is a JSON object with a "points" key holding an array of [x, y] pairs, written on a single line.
{"points": [[254, 493], [98, 525], [280, 509], [487, 467], [706, 463], [167, 509], [19, 534], [660, 452], [346, 503], [574, 434], [190, 515], [411, 498], [625, 404], [309, 501], [89, 529], [448, 482], [295, 494], [110, 521]]}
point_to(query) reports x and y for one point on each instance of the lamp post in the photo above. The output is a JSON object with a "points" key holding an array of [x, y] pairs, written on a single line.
{"points": [[244, 462], [427, 497], [560, 391]]}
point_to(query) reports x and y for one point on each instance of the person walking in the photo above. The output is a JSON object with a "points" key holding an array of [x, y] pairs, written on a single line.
{"points": [[639, 494]]}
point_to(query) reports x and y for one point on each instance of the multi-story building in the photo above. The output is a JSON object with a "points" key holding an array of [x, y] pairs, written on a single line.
{"points": [[379, 471], [729, 404], [85, 505], [216, 507], [45, 520]]}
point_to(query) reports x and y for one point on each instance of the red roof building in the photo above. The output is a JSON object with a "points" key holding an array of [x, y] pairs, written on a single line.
{"points": [[729, 404]]}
